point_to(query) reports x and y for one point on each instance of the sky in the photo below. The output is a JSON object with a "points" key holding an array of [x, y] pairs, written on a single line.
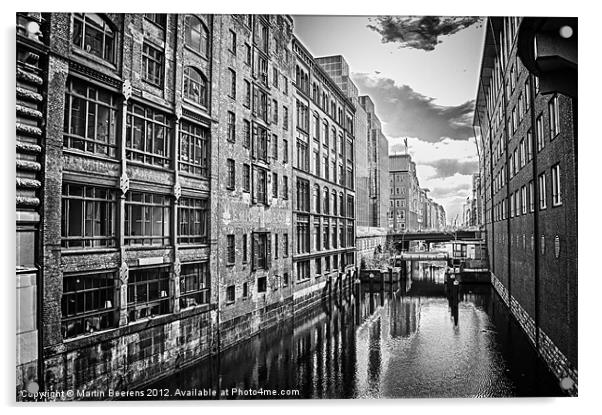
{"points": [[422, 74]]}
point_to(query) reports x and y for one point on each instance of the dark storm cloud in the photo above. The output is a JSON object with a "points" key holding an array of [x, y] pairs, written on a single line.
{"points": [[449, 167], [408, 113], [418, 32]]}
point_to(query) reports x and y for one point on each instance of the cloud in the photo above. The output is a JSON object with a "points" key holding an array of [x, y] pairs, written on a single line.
{"points": [[449, 167], [418, 32], [461, 190], [405, 112]]}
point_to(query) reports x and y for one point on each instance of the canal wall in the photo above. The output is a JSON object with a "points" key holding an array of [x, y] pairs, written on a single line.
{"points": [[243, 327], [556, 361], [127, 357], [308, 298], [133, 356]]}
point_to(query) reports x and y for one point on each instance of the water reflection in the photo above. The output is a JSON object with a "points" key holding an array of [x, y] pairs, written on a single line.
{"points": [[420, 337]]}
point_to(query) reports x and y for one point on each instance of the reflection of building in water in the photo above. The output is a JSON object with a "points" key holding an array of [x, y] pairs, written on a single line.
{"points": [[374, 354], [429, 271], [324, 354], [404, 316]]}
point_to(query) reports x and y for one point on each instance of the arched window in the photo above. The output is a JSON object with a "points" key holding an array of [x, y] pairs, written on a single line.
{"points": [[197, 35], [317, 199], [195, 86], [94, 35], [325, 200]]}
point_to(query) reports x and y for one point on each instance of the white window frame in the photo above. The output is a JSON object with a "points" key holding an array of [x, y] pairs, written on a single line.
{"points": [[556, 190]]}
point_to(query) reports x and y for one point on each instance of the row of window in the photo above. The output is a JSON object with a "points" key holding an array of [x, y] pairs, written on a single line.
{"points": [[506, 40], [91, 121], [523, 153], [89, 218], [91, 301], [95, 34], [256, 180], [320, 129], [264, 247], [319, 237], [553, 122], [261, 63], [516, 239], [321, 98], [258, 139], [339, 262], [526, 196], [321, 167], [323, 201], [262, 287]]}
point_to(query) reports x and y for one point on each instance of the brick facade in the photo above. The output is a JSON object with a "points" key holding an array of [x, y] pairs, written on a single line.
{"points": [[144, 197], [531, 227]]}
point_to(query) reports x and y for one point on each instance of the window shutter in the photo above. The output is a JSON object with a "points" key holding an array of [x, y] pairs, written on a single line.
{"points": [[254, 142], [268, 147], [269, 111], [268, 244], [253, 185], [268, 188], [255, 102], [254, 252]]}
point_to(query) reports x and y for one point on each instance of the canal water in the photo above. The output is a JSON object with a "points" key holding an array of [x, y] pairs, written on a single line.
{"points": [[418, 338]]}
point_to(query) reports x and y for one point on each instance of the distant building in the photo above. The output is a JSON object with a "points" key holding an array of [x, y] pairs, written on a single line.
{"points": [[410, 209], [324, 182], [370, 233], [378, 165]]}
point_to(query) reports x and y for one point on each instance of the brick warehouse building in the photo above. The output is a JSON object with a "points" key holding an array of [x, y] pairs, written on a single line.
{"points": [[528, 186], [370, 240], [253, 172], [324, 180], [162, 214]]}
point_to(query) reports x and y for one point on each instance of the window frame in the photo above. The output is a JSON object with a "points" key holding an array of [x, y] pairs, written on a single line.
{"points": [[134, 305], [203, 289], [556, 187], [148, 119], [230, 249], [109, 294], [197, 213], [554, 116], [202, 85], [153, 64], [542, 191], [195, 138], [110, 204], [148, 203], [69, 137], [85, 20], [231, 174], [204, 44]]}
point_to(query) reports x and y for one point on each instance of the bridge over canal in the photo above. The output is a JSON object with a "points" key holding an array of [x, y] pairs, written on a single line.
{"points": [[401, 240]]}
